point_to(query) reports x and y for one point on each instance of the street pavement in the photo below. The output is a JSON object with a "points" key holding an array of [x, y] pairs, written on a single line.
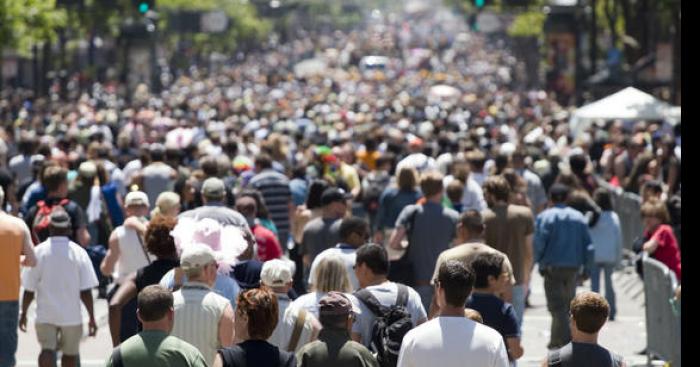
{"points": [[626, 335]]}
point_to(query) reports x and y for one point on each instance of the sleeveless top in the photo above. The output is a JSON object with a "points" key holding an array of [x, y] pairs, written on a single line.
{"points": [[197, 313], [583, 355], [132, 254]]}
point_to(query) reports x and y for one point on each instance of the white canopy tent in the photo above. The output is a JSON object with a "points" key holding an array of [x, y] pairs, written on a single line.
{"points": [[627, 104]]}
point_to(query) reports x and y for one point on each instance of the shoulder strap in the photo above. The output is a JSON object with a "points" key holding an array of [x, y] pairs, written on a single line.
{"points": [[370, 301], [143, 248], [554, 359], [117, 357], [402, 297], [296, 333]]}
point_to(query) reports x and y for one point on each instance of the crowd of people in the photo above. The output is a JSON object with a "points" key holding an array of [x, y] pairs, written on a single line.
{"points": [[251, 215]]}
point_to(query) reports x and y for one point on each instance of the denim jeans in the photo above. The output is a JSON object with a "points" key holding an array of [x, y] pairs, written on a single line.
{"points": [[518, 302], [608, 269], [9, 316], [559, 289]]}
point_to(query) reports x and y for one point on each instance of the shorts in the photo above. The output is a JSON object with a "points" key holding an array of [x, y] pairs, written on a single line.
{"points": [[68, 342]]}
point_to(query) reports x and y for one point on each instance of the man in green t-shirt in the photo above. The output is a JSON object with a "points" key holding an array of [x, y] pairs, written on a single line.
{"points": [[153, 346]]}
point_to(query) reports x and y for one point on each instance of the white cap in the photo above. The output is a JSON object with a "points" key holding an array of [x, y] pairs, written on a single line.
{"points": [[136, 198], [275, 273], [196, 256]]}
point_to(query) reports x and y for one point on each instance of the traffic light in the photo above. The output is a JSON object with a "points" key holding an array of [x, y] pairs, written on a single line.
{"points": [[143, 6]]}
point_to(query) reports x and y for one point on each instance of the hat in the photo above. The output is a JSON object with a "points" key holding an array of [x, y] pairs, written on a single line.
{"points": [[275, 273], [334, 194], [336, 303], [196, 256], [136, 198], [87, 169], [213, 188], [559, 190], [60, 219]]}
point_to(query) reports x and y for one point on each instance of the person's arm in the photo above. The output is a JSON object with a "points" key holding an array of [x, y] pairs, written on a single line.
{"points": [[27, 299], [218, 362], [28, 249], [397, 235], [107, 266], [515, 349], [86, 298], [540, 239], [137, 225], [651, 246], [226, 327], [127, 290], [672, 178], [83, 236], [527, 260]]}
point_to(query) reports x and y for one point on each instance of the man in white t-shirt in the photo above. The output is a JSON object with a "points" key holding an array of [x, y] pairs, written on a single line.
{"points": [[354, 232], [62, 278], [296, 327], [371, 269], [452, 340]]}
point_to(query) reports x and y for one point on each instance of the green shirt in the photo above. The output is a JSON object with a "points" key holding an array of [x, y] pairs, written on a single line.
{"points": [[334, 348], [156, 348]]}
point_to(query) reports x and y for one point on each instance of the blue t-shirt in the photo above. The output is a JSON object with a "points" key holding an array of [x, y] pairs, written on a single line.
{"points": [[497, 314]]}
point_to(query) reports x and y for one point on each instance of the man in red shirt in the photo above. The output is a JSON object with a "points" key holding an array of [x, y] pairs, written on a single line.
{"points": [[268, 246]]}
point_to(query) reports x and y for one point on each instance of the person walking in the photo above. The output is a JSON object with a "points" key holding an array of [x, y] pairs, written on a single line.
{"points": [[562, 244], [607, 243], [354, 232], [153, 346], [62, 278]]}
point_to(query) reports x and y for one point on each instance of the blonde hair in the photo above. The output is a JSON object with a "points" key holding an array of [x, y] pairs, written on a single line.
{"points": [[166, 202], [331, 275]]}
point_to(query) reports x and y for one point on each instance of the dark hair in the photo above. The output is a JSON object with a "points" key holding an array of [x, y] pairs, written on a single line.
{"points": [[472, 221], [313, 198], [352, 225], [260, 307], [374, 256], [263, 213], [263, 161], [54, 177], [153, 302], [485, 265], [457, 281], [603, 198], [590, 311], [559, 193], [578, 162], [498, 187], [653, 185], [209, 166], [158, 240]]}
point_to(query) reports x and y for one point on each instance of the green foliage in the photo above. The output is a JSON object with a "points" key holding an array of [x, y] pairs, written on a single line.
{"points": [[25, 23], [527, 24]]}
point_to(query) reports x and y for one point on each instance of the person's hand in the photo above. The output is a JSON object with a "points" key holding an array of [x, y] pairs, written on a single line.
{"points": [[92, 327], [378, 237], [23, 322]]}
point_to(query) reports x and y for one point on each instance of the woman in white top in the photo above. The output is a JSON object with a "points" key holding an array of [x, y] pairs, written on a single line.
{"points": [[331, 276]]}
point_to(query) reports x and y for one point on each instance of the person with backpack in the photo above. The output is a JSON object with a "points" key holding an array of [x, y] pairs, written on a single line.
{"points": [[373, 185], [334, 346], [55, 180], [387, 308], [589, 312]]}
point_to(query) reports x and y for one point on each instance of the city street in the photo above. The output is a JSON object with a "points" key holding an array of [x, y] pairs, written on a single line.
{"points": [[626, 335]]}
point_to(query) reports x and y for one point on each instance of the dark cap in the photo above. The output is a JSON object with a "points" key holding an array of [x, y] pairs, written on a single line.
{"points": [[60, 219], [336, 304], [559, 191], [334, 194]]}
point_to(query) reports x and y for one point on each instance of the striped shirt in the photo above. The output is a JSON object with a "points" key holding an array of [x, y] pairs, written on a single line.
{"points": [[275, 190], [197, 313]]}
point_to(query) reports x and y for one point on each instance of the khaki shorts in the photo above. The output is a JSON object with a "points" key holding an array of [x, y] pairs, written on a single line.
{"points": [[68, 342]]}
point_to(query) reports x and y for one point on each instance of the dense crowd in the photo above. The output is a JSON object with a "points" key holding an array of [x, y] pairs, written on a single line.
{"points": [[270, 213]]}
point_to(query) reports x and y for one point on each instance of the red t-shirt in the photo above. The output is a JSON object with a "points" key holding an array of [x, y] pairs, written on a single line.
{"points": [[268, 246], [667, 252]]}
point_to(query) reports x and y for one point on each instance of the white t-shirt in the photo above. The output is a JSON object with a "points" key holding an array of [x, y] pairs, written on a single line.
{"points": [[453, 342], [62, 271], [346, 253], [285, 326], [386, 293]]}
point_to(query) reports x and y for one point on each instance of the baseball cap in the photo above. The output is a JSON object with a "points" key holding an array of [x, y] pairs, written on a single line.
{"points": [[213, 188], [87, 169], [334, 194], [196, 256], [60, 219], [336, 303], [275, 273], [136, 198]]}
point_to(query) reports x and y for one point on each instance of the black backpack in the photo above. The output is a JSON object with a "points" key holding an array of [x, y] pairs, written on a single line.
{"points": [[373, 187], [389, 327]]}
